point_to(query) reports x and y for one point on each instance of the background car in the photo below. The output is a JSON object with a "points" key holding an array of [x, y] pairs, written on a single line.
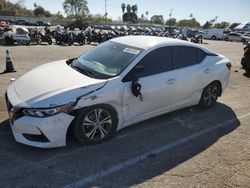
{"points": [[42, 23], [233, 36], [116, 84]]}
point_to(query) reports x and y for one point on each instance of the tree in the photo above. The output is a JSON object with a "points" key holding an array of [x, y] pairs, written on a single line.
{"points": [[171, 22], [233, 25], [207, 25], [188, 23], [157, 19], [128, 8], [78, 8], [17, 8], [123, 6], [47, 13], [39, 11], [134, 8], [146, 13], [130, 15], [221, 25], [98, 18]]}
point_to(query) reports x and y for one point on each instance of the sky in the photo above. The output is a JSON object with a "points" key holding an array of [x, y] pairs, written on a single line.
{"points": [[202, 10]]}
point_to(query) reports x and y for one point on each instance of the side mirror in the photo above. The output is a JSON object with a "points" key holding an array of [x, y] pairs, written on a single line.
{"points": [[69, 61], [136, 89]]}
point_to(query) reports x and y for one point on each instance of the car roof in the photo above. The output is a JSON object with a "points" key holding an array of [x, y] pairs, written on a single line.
{"points": [[148, 42]]}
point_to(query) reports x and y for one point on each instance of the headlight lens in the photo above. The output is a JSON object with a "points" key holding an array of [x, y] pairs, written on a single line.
{"points": [[43, 112]]}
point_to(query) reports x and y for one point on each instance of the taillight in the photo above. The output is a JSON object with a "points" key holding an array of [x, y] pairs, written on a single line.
{"points": [[229, 66]]}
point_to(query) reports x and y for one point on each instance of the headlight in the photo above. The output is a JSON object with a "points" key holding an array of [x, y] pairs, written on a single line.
{"points": [[43, 112]]}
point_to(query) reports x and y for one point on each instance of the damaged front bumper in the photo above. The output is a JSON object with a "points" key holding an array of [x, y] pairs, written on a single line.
{"points": [[46, 132]]}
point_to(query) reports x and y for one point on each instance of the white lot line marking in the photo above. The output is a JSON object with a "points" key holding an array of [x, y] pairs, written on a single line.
{"points": [[144, 156]]}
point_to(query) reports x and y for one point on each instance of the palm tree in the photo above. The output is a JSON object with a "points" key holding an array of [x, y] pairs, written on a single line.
{"points": [[134, 8], [146, 13], [123, 6], [128, 8]]}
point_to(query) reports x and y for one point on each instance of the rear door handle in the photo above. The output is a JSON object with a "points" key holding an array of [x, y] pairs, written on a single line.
{"points": [[207, 71], [171, 81]]}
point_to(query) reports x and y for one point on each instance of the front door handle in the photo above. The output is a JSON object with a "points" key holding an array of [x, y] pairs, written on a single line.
{"points": [[171, 81]]}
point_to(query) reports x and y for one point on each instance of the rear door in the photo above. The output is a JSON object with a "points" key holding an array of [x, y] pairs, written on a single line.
{"points": [[193, 72]]}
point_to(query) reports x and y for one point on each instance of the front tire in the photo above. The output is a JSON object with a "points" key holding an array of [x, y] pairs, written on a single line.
{"points": [[210, 95], [95, 125]]}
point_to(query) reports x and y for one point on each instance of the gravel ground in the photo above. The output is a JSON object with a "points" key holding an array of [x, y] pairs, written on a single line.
{"points": [[186, 148]]}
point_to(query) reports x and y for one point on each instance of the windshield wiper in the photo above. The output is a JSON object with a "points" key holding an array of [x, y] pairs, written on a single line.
{"points": [[83, 71]]}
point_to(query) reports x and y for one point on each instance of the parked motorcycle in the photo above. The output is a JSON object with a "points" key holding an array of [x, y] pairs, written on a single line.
{"points": [[94, 36], [44, 38], [64, 37], [197, 39], [79, 38], [38, 37], [245, 60]]}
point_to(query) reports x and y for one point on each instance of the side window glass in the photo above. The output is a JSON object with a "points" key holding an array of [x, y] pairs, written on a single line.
{"points": [[186, 56], [157, 61]]}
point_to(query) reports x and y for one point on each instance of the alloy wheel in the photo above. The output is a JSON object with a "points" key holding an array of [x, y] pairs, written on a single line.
{"points": [[211, 95], [97, 124]]}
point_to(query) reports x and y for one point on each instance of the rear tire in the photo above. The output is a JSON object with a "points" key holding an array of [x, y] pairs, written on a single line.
{"points": [[210, 95], [95, 125]]}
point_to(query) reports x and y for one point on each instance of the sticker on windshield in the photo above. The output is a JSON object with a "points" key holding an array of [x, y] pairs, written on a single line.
{"points": [[131, 51]]}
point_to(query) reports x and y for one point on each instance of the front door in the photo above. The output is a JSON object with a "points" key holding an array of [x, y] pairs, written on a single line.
{"points": [[158, 86]]}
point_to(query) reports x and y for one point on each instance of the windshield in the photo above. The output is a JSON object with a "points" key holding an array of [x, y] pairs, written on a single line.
{"points": [[107, 60]]}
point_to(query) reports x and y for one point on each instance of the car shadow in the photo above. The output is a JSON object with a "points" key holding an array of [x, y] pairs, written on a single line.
{"points": [[133, 141], [247, 74]]}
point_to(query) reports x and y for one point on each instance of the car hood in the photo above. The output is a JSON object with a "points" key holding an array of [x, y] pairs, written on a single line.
{"points": [[51, 84]]}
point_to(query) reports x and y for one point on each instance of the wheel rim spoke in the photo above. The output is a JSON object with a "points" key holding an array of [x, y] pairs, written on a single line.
{"points": [[106, 120], [91, 133], [87, 120], [103, 132], [88, 123], [98, 113], [92, 136]]}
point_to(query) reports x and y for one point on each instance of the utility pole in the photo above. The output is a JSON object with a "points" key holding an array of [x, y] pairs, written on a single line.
{"points": [[105, 11], [170, 15], [170, 18]]}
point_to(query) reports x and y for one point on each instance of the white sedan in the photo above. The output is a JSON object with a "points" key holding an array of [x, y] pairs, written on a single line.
{"points": [[116, 84]]}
